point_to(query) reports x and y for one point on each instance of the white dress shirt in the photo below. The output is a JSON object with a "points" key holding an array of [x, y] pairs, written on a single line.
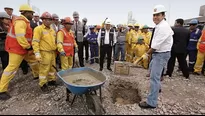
{"points": [[107, 40], [162, 39]]}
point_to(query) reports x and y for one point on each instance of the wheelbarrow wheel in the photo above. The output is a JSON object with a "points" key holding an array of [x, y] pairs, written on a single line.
{"points": [[94, 104]]}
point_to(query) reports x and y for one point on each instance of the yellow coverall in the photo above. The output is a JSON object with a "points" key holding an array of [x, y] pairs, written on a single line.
{"points": [[44, 43], [147, 37], [66, 61], [200, 58], [128, 46], [139, 50], [133, 40], [16, 59]]}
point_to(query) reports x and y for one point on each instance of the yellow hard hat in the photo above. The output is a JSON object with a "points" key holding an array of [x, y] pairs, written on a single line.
{"points": [[137, 25], [130, 25], [25, 7]]}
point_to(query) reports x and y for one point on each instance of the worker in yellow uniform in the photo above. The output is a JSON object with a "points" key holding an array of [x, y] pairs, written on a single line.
{"points": [[200, 55], [18, 45], [66, 44], [128, 43], [146, 34], [134, 39], [44, 45], [140, 49]]}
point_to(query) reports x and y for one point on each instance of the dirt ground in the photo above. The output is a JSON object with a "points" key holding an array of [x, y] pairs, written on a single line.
{"points": [[121, 95]]}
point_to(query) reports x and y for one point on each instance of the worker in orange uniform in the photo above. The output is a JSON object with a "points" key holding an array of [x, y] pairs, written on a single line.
{"points": [[140, 49], [200, 55], [44, 45], [18, 45], [66, 44]]}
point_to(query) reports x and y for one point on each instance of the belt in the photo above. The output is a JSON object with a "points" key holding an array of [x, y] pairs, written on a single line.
{"points": [[160, 52]]}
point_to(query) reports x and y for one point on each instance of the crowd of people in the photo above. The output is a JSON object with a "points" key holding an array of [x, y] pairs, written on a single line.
{"points": [[25, 39]]}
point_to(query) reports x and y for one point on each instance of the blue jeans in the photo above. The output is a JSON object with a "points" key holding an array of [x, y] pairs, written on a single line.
{"points": [[159, 61], [119, 48]]}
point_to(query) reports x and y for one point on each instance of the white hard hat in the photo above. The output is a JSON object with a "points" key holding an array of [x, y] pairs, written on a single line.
{"points": [[159, 9], [4, 15], [36, 15], [85, 19], [108, 21]]}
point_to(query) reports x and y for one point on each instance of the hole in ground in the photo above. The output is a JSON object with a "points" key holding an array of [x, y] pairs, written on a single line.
{"points": [[125, 96]]}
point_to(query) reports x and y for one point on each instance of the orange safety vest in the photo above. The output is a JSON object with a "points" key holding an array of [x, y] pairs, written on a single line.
{"points": [[11, 44], [202, 42], [68, 42]]}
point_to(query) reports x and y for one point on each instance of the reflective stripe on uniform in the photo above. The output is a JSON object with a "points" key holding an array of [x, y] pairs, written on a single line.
{"points": [[191, 62], [67, 44], [51, 73], [35, 40], [9, 73], [202, 42], [20, 35], [42, 77], [194, 40]]}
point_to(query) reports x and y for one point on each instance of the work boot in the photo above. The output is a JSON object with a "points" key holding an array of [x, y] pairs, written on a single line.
{"points": [[196, 73], [96, 60], [44, 88], [4, 96], [109, 69], [144, 105], [35, 78], [52, 83], [101, 69]]}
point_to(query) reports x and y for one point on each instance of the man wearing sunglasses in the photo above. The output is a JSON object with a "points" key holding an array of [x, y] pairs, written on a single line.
{"points": [[195, 34]]}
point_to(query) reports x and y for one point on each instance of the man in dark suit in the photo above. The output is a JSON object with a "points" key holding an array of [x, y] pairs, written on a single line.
{"points": [[181, 38], [35, 22]]}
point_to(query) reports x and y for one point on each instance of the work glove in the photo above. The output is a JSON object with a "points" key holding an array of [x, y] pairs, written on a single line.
{"points": [[62, 53], [145, 56], [76, 49], [30, 51], [38, 57]]}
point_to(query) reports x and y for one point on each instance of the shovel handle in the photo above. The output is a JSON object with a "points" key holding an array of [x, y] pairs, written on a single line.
{"points": [[55, 68]]}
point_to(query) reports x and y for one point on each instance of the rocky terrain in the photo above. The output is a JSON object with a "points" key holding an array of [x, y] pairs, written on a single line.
{"points": [[121, 95]]}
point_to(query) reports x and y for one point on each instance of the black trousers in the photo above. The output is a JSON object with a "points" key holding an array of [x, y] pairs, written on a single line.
{"points": [[80, 53], [24, 66], [4, 59], [181, 57], [86, 46], [105, 50]]}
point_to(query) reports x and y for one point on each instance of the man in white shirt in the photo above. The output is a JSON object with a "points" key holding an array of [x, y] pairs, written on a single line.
{"points": [[161, 45], [106, 40]]}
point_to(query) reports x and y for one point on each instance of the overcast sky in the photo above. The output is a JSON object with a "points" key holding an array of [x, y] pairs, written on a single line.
{"points": [[117, 10]]}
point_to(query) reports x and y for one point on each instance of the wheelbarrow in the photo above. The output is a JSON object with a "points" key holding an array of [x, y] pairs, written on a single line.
{"points": [[89, 92]]}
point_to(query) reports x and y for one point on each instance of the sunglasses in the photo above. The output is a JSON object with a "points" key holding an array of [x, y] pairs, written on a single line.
{"points": [[76, 17]]}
